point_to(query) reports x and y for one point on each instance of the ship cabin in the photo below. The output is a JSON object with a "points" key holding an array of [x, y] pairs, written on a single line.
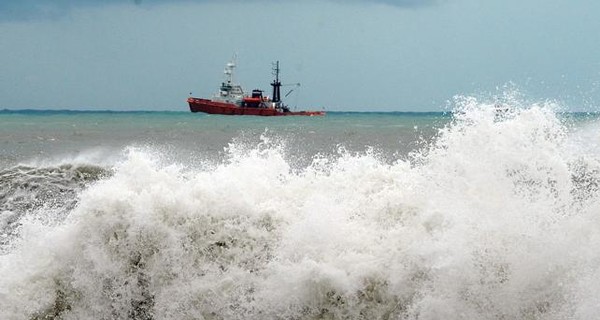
{"points": [[255, 100]]}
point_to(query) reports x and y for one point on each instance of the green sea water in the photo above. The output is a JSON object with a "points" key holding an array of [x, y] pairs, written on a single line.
{"points": [[38, 135]]}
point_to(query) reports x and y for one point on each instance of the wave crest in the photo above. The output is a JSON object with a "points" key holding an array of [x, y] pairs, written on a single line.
{"points": [[494, 219]]}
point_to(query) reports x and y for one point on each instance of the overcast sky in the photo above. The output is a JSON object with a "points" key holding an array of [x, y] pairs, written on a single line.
{"points": [[358, 55]]}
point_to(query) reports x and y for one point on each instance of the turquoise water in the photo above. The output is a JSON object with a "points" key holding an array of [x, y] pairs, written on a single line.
{"points": [[27, 135]]}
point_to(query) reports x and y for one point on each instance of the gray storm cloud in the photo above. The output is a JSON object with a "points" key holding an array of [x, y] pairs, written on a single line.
{"points": [[16, 10]]}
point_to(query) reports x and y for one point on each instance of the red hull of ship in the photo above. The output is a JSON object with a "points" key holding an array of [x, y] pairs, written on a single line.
{"points": [[215, 107]]}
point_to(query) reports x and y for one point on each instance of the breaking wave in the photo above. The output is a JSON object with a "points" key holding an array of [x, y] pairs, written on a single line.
{"points": [[496, 218], [45, 193]]}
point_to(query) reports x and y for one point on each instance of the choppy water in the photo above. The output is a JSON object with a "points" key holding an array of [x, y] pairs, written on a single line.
{"points": [[474, 215]]}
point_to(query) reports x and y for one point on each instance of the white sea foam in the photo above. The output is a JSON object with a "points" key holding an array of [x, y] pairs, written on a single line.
{"points": [[495, 219]]}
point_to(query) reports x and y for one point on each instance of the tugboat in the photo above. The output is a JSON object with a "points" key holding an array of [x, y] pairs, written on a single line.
{"points": [[231, 100]]}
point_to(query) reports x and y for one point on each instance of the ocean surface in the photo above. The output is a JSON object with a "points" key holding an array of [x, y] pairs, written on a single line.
{"points": [[476, 213]]}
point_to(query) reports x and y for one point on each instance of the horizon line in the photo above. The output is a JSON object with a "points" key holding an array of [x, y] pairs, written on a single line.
{"points": [[7, 110], [29, 110]]}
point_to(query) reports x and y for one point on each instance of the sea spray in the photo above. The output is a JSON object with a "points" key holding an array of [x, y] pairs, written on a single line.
{"points": [[496, 218], [45, 193]]}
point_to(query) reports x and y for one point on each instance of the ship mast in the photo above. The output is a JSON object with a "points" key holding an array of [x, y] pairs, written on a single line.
{"points": [[229, 71], [276, 84]]}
